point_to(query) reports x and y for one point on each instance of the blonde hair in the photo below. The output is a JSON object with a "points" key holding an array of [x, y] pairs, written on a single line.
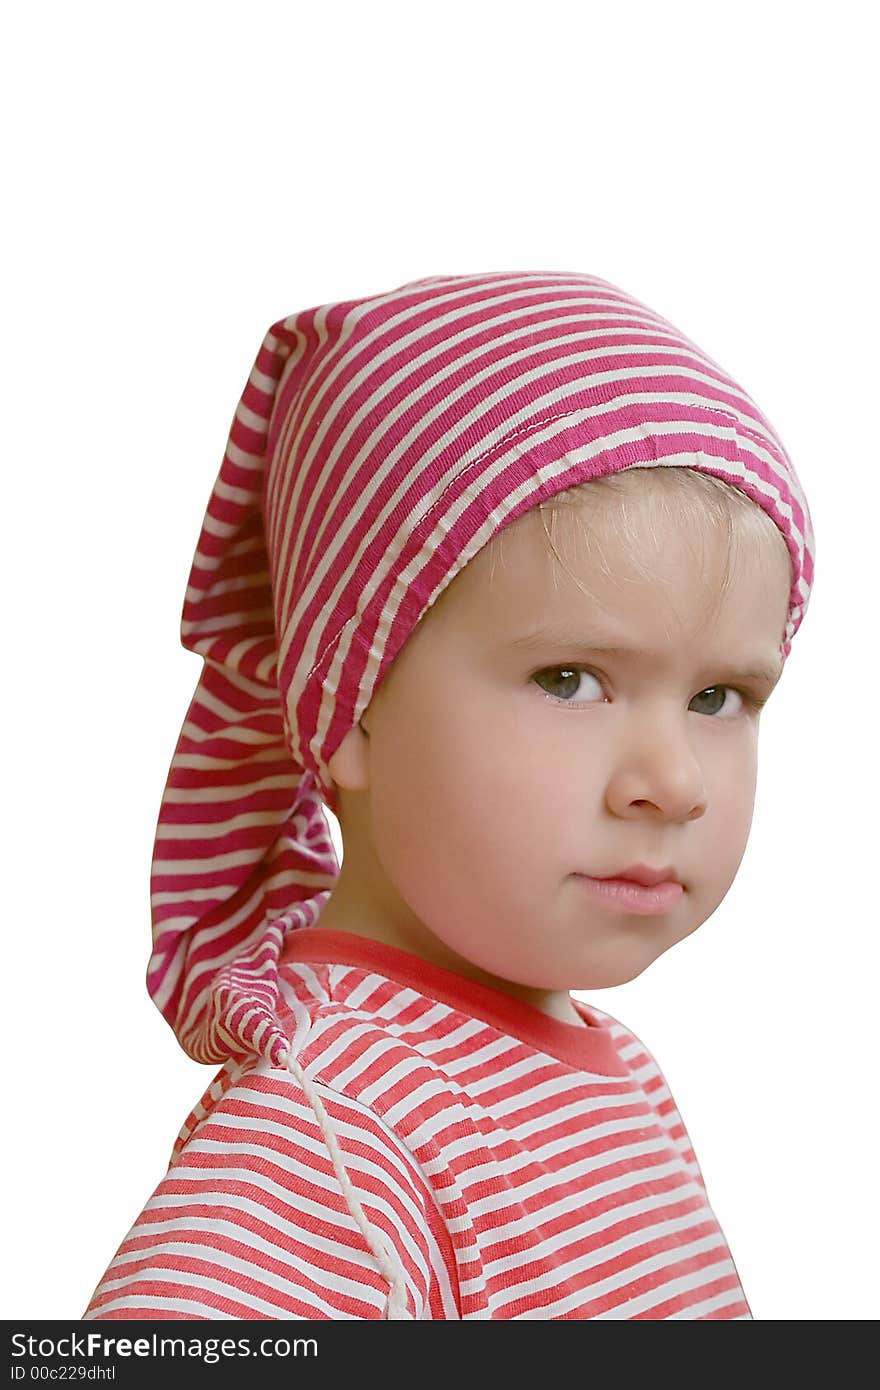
{"points": [[697, 504]]}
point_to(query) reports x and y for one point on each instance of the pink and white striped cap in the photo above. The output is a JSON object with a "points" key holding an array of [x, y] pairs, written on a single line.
{"points": [[378, 445]]}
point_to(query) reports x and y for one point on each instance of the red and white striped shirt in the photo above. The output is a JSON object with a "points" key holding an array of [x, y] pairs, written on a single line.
{"points": [[517, 1166]]}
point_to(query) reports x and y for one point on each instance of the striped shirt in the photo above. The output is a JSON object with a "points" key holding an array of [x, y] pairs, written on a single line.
{"points": [[519, 1166]]}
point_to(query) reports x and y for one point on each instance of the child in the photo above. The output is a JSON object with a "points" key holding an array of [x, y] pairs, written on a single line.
{"points": [[413, 1117]]}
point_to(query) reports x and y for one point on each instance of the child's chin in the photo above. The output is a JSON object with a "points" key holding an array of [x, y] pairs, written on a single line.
{"points": [[608, 974]]}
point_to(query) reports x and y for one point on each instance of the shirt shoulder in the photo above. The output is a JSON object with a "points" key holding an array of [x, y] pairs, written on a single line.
{"points": [[647, 1074], [287, 1196]]}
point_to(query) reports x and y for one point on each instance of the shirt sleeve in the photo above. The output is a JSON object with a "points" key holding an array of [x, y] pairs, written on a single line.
{"points": [[250, 1221]]}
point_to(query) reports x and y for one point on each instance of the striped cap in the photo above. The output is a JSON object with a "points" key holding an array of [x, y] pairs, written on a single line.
{"points": [[378, 445]]}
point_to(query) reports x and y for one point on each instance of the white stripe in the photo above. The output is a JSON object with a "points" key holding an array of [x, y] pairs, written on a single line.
{"points": [[222, 529], [211, 563], [468, 1031], [251, 420], [166, 1305], [243, 497], [515, 1072], [230, 586], [208, 701], [288, 879], [411, 1065], [377, 1046], [207, 866], [362, 992], [630, 1275], [495, 1050], [240, 792], [228, 735], [721, 1300], [673, 1287], [228, 1291], [589, 1164], [514, 1234], [255, 689], [199, 895], [250, 1271], [391, 1010], [215, 830], [488, 1170], [307, 977], [206, 762], [165, 990]]}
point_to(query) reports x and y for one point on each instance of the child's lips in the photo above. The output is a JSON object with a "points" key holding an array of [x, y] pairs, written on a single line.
{"points": [[633, 897], [643, 874]]}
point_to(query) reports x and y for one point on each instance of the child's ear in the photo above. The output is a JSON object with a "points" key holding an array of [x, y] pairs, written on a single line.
{"points": [[350, 764]]}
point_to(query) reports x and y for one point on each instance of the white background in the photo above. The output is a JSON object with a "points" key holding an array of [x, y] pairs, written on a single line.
{"points": [[179, 176]]}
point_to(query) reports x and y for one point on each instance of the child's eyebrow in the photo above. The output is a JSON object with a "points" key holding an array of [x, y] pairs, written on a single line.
{"points": [[756, 668]]}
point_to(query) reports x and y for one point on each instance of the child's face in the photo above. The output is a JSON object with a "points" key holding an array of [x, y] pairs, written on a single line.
{"points": [[489, 791]]}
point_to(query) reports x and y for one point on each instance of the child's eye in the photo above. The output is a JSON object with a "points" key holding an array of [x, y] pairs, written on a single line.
{"points": [[567, 680]]}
